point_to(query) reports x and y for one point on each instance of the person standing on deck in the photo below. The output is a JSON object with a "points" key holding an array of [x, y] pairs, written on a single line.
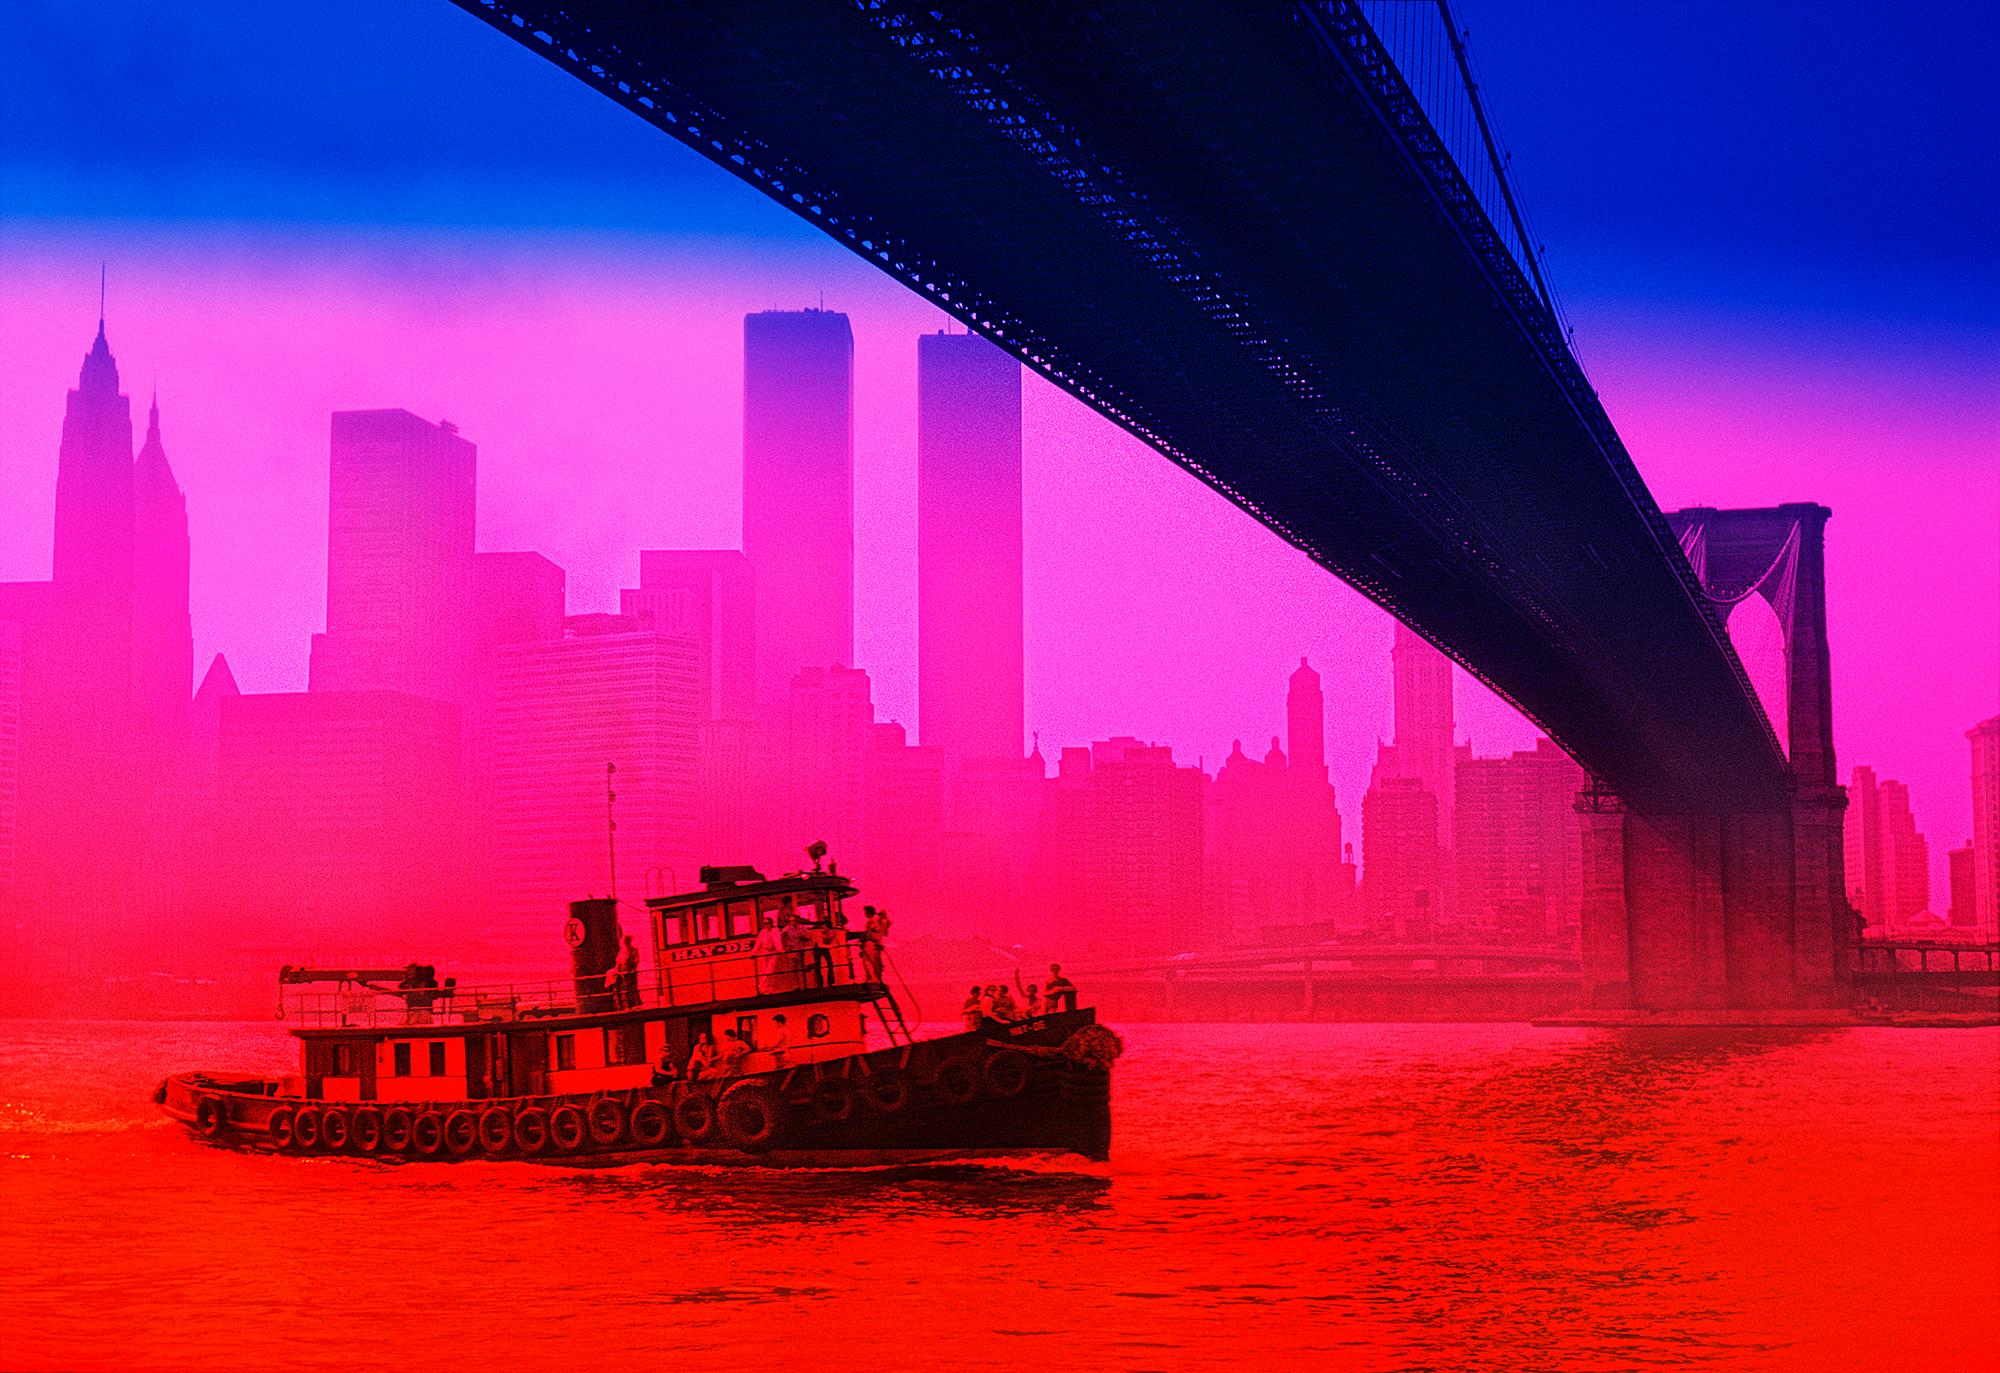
{"points": [[874, 938], [1061, 991], [825, 937], [768, 954], [626, 971], [778, 1042]]}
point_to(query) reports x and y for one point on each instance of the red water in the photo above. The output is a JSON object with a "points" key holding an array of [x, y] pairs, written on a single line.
{"points": [[1370, 1197]]}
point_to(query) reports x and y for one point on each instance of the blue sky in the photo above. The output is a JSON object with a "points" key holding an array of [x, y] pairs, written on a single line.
{"points": [[1829, 159]]}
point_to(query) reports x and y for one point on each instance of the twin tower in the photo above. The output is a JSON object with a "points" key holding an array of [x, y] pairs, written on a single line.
{"points": [[798, 521]]}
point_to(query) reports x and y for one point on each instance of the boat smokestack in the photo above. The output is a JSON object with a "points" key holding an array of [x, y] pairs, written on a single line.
{"points": [[592, 935]]}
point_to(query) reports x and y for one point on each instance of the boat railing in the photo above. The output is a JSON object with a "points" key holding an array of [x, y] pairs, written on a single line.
{"points": [[689, 976]]}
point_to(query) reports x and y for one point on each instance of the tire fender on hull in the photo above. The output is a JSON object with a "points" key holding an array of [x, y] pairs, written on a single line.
{"points": [[1007, 1074], [427, 1134], [956, 1081], [333, 1129], [567, 1129], [305, 1128], [496, 1130], [650, 1124], [833, 1100], [607, 1120], [694, 1117], [365, 1131], [751, 1116], [279, 1127], [887, 1090], [396, 1124], [531, 1130]]}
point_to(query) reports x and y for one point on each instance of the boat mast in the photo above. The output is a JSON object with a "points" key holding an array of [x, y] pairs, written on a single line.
{"points": [[611, 825]]}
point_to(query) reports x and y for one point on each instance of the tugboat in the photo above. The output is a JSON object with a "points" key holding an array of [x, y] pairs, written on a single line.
{"points": [[763, 1031]]}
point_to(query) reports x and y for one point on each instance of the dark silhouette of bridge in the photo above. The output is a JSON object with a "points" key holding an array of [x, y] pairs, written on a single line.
{"points": [[1249, 236]]}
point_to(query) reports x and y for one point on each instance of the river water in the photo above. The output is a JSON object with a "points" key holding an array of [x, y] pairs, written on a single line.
{"points": [[1329, 1196]]}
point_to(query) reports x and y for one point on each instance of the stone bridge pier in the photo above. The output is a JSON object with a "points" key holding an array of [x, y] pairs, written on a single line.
{"points": [[1742, 910]]}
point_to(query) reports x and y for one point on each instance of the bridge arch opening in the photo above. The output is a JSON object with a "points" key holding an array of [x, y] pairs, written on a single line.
{"points": [[1760, 643]]}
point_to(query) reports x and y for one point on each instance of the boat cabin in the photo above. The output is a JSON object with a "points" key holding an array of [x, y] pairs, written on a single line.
{"points": [[768, 961]]}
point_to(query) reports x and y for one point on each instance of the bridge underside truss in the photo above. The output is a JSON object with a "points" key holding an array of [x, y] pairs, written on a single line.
{"points": [[1231, 230]]}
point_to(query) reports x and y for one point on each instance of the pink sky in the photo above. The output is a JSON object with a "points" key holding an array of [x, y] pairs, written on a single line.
{"points": [[601, 379]]}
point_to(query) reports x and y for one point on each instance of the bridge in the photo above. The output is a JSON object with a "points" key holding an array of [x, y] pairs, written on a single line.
{"points": [[1277, 241]]}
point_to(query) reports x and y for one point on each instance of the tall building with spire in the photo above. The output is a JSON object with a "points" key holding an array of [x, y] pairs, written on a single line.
{"points": [[93, 535], [105, 660], [162, 681], [970, 665], [798, 491], [162, 629]]}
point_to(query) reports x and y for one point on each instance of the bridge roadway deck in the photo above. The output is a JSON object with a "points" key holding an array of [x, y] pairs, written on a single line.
{"points": [[1229, 229]]}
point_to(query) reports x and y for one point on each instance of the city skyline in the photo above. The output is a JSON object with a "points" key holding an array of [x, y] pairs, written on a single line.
{"points": [[1499, 730]]}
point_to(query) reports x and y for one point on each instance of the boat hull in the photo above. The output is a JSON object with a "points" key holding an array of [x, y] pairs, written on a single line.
{"points": [[1037, 1087]]}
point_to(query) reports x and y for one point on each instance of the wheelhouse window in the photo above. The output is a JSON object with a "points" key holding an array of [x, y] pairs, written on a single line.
{"points": [[624, 1044], [742, 919], [565, 1052], [437, 1059], [401, 1054]]}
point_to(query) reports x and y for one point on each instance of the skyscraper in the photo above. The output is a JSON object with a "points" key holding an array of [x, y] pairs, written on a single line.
{"points": [[608, 691], [1420, 761], [1305, 725], [1124, 830], [1960, 873], [162, 680], [93, 539], [1887, 860], [1423, 746], [162, 632], [903, 827], [1402, 867], [1985, 740], [707, 596], [970, 674], [80, 819], [1273, 834], [1518, 845], [829, 720], [798, 491], [399, 569]]}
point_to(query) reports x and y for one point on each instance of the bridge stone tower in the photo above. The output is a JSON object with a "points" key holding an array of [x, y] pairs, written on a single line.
{"points": [[1744, 909]]}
